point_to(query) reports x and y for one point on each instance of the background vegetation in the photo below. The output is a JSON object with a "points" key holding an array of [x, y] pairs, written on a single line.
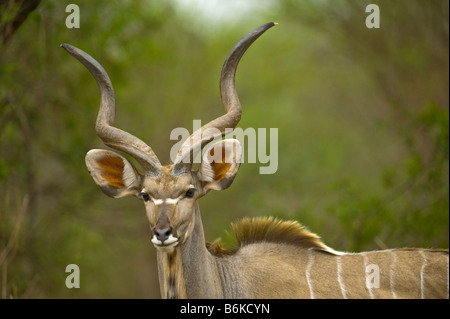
{"points": [[362, 116]]}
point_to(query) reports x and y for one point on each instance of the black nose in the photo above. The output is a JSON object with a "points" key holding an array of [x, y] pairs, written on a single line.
{"points": [[163, 234]]}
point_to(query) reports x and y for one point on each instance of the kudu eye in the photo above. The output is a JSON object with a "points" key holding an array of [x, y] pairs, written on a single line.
{"points": [[144, 196], [190, 192]]}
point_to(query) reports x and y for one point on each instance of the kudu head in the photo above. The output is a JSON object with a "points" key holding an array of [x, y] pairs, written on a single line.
{"points": [[169, 192]]}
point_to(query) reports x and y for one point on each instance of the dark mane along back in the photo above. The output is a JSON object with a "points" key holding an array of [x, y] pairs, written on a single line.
{"points": [[248, 231]]}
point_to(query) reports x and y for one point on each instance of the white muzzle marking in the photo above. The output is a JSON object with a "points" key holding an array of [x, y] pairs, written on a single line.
{"points": [[168, 245]]}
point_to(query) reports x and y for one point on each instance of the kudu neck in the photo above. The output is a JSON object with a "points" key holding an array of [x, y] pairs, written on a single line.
{"points": [[190, 271]]}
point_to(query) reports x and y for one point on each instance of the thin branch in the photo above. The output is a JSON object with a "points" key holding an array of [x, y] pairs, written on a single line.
{"points": [[19, 11]]}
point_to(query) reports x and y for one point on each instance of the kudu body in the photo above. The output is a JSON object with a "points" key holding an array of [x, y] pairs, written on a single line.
{"points": [[275, 259]]}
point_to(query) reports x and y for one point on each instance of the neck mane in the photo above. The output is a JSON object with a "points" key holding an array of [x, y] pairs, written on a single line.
{"points": [[249, 231], [194, 263]]}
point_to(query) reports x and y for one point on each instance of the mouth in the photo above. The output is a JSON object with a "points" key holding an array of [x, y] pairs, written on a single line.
{"points": [[167, 245]]}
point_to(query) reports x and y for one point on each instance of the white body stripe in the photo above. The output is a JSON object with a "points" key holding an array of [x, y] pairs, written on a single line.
{"points": [[339, 277], [308, 270], [447, 277], [392, 273], [422, 270], [366, 264]]}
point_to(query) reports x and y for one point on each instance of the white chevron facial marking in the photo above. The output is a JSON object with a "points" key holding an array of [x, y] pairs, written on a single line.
{"points": [[171, 201], [168, 201]]}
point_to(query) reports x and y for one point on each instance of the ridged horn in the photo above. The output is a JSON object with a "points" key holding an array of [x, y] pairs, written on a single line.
{"points": [[110, 135], [216, 128]]}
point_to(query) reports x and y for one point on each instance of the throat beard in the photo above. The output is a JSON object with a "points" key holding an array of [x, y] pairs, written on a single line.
{"points": [[174, 286]]}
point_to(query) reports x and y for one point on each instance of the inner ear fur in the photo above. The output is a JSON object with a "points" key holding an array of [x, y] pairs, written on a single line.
{"points": [[220, 163], [115, 175]]}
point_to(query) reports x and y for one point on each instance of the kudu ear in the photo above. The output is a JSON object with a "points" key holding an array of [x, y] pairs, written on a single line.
{"points": [[113, 173], [220, 163]]}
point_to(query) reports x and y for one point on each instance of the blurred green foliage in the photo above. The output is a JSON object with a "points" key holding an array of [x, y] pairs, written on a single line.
{"points": [[362, 116]]}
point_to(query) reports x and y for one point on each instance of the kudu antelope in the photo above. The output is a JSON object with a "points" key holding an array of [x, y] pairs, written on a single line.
{"points": [[274, 259]]}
